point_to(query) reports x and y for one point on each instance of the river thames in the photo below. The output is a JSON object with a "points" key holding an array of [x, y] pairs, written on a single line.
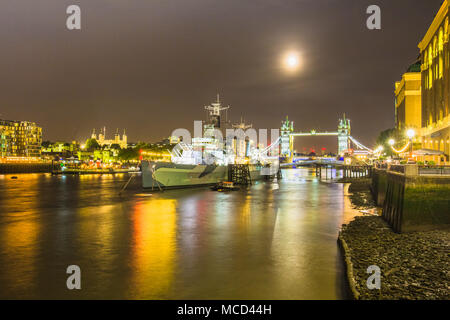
{"points": [[274, 240]]}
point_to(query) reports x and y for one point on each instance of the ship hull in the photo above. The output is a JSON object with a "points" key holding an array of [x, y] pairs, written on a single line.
{"points": [[255, 172], [165, 175], [170, 175]]}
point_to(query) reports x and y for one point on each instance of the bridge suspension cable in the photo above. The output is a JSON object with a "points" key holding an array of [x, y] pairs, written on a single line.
{"points": [[359, 145], [264, 151]]}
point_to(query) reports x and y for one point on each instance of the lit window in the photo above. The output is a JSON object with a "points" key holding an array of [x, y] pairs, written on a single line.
{"points": [[430, 78], [430, 56], [441, 49], [446, 30], [435, 47]]}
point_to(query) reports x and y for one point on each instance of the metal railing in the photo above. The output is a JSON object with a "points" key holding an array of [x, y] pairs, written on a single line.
{"points": [[436, 170], [397, 168], [381, 165], [422, 169]]}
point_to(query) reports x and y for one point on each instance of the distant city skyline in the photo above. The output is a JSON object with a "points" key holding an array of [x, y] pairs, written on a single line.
{"points": [[151, 67]]}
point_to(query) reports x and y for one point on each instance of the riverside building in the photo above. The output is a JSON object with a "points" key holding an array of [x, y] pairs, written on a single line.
{"points": [[434, 53], [19, 140], [422, 97], [408, 99]]}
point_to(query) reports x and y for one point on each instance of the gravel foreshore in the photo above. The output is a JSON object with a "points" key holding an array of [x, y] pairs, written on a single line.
{"points": [[413, 265]]}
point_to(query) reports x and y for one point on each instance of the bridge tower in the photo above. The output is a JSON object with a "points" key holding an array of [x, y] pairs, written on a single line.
{"points": [[287, 141], [343, 135]]}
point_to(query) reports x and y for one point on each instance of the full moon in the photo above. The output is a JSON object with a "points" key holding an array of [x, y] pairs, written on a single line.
{"points": [[291, 61]]}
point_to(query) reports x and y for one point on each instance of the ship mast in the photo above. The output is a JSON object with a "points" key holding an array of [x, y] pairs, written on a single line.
{"points": [[214, 110], [242, 125]]}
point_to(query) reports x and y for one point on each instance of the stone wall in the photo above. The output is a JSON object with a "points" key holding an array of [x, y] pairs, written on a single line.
{"points": [[6, 168], [426, 203], [379, 186], [413, 202]]}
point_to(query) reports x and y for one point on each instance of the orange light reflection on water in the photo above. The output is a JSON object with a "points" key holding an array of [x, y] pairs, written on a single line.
{"points": [[20, 237], [154, 248]]}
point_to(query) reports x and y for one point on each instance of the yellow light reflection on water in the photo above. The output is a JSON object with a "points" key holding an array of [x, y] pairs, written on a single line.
{"points": [[19, 240], [154, 248], [96, 233]]}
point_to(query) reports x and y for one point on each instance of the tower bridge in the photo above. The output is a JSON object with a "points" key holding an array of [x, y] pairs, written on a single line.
{"points": [[343, 134]]}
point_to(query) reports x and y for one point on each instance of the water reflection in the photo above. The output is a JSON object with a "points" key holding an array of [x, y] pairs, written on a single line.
{"points": [[153, 249], [20, 242], [19, 237], [270, 241]]}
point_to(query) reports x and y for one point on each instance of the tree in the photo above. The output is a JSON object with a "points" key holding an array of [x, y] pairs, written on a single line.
{"points": [[46, 144], [92, 144], [386, 135], [129, 154], [115, 146]]}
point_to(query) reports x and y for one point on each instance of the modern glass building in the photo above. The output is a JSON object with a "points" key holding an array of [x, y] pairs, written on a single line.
{"points": [[20, 139]]}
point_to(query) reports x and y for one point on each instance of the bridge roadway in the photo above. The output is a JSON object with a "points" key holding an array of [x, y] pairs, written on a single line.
{"points": [[309, 161], [313, 133]]}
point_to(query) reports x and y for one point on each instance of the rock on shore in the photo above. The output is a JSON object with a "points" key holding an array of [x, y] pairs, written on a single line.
{"points": [[360, 194], [413, 265]]}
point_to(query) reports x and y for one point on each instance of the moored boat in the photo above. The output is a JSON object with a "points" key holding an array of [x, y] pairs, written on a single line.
{"points": [[171, 175], [205, 160]]}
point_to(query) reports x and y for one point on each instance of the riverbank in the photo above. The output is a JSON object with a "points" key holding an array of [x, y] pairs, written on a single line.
{"points": [[37, 167], [361, 195], [413, 265], [48, 167]]}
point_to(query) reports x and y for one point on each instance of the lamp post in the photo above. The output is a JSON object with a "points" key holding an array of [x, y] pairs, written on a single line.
{"points": [[410, 133], [379, 150], [391, 142]]}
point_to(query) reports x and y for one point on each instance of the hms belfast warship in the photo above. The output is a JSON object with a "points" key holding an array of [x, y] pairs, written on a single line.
{"points": [[205, 161]]}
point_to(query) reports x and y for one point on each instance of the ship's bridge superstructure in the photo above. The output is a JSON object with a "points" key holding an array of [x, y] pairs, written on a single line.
{"points": [[214, 147]]}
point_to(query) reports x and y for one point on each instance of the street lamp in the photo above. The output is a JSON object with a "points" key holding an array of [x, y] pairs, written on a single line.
{"points": [[410, 133], [391, 142]]}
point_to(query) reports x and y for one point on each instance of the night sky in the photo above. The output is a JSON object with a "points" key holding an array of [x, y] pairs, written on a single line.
{"points": [[151, 66]]}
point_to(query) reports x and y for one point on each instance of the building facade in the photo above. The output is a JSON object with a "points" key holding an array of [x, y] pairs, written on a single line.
{"points": [[434, 53], [102, 141], [408, 99], [20, 139], [59, 149]]}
